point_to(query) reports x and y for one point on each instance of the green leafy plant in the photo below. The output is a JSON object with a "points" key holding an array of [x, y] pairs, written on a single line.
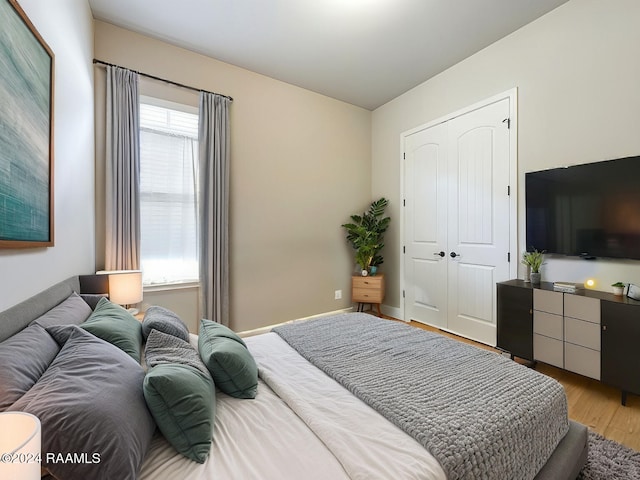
{"points": [[533, 259], [365, 234], [619, 284]]}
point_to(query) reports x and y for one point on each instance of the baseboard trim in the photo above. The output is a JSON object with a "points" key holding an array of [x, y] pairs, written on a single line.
{"points": [[267, 329], [394, 312]]}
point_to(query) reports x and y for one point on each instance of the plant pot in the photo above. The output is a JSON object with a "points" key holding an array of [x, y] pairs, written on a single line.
{"points": [[618, 291], [373, 270], [535, 278]]}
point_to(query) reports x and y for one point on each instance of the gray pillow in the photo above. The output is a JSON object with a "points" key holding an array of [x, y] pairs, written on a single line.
{"points": [[90, 399], [162, 348], [92, 299], [24, 357], [164, 320], [72, 311], [226, 356]]}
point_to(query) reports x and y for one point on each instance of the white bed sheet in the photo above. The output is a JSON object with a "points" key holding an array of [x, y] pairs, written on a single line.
{"points": [[301, 425]]}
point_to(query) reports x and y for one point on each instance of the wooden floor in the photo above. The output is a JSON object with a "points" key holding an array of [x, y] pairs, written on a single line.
{"points": [[590, 402]]}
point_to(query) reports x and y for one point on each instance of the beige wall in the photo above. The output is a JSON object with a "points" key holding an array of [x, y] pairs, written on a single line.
{"points": [[578, 78], [300, 165], [67, 27]]}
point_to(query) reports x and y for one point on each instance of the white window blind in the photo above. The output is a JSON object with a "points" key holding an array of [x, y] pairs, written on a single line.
{"points": [[168, 159]]}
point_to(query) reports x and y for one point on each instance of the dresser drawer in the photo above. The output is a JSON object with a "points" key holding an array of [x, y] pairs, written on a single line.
{"points": [[584, 308], [582, 360], [585, 334], [547, 324], [548, 350], [547, 301]]}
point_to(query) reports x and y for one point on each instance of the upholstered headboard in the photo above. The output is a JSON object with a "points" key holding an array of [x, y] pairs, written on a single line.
{"points": [[19, 316]]}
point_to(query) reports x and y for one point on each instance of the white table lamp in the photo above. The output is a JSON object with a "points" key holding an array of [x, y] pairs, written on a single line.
{"points": [[125, 286], [19, 446]]}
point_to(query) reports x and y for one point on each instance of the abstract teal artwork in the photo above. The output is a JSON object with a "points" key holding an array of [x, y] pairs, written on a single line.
{"points": [[26, 128]]}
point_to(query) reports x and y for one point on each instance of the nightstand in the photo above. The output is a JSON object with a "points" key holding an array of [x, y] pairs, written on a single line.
{"points": [[368, 290]]}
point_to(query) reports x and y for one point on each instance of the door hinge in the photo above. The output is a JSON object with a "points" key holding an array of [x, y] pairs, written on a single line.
{"points": [[402, 293], [404, 155], [508, 122], [509, 257], [509, 190], [404, 249], [404, 202]]}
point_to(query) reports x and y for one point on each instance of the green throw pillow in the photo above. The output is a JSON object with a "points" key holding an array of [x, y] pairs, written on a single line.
{"points": [[232, 367], [182, 401], [114, 324]]}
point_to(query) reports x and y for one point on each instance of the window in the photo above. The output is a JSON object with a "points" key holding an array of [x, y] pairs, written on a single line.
{"points": [[168, 217]]}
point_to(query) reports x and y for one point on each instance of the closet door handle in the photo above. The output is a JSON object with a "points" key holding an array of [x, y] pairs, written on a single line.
{"points": [[441, 254], [454, 255]]}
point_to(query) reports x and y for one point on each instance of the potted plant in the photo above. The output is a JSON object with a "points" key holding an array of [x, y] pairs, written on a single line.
{"points": [[533, 260], [618, 288], [365, 234]]}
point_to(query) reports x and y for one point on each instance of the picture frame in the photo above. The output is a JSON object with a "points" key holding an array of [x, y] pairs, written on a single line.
{"points": [[26, 132], [633, 291]]}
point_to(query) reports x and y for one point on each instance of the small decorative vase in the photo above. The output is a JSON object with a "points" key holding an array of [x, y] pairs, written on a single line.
{"points": [[535, 278], [372, 270]]}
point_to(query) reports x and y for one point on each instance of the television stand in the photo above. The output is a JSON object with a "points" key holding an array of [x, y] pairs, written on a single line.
{"points": [[591, 333]]}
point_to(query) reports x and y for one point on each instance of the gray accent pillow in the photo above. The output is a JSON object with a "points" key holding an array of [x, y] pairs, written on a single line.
{"points": [[23, 359], [226, 356], [90, 400], [114, 324], [72, 311], [92, 299], [164, 320], [162, 348]]}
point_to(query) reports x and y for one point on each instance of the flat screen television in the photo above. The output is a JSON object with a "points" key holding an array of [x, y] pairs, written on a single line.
{"points": [[590, 210]]}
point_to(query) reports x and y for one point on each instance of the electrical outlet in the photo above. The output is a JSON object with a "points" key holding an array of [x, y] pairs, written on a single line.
{"points": [[338, 294]]}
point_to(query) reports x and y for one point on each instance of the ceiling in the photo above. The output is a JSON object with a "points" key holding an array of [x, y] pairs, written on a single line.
{"points": [[364, 52]]}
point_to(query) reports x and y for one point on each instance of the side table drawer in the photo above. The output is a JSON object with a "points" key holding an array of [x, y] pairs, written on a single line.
{"points": [[366, 295], [367, 282]]}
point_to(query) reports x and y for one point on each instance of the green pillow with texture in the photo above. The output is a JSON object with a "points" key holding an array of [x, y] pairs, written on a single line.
{"points": [[232, 366], [182, 401], [114, 324]]}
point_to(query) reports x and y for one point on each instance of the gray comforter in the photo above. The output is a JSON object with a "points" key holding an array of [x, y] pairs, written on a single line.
{"points": [[481, 415]]}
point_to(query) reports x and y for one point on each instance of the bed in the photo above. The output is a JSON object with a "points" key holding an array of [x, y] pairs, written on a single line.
{"points": [[342, 397]]}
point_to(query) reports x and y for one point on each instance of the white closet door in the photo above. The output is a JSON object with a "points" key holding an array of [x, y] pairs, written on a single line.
{"points": [[425, 260], [457, 221], [478, 220]]}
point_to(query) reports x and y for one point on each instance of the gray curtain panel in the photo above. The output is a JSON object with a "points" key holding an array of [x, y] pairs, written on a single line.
{"points": [[213, 206], [122, 171]]}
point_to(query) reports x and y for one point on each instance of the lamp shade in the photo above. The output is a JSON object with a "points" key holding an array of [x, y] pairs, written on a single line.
{"points": [[19, 446], [125, 286]]}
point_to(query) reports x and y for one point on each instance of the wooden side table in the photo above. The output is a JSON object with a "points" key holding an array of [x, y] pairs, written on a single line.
{"points": [[368, 290]]}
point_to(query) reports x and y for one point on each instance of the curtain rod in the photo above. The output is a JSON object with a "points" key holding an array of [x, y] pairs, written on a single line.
{"points": [[162, 79]]}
